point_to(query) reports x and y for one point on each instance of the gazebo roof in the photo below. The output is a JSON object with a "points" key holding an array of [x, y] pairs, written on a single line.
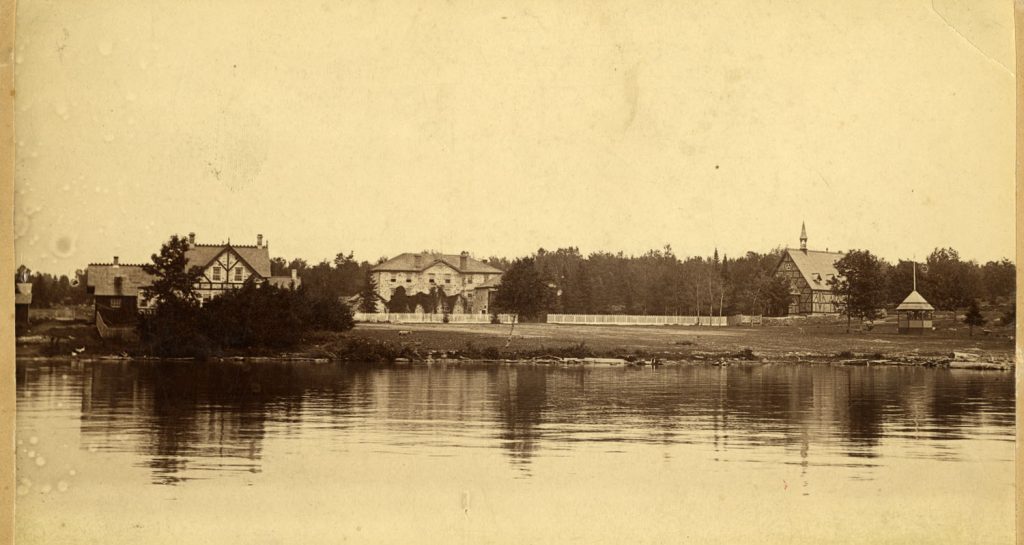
{"points": [[915, 301]]}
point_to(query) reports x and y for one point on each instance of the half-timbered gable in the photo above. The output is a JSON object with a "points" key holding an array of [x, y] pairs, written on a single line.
{"points": [[228, 270], [809, 273]]}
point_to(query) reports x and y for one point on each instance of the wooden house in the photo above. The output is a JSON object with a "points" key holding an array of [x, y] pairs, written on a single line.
{"points": [[22, 302], [809, 273], [228, 266], [118, 289]]}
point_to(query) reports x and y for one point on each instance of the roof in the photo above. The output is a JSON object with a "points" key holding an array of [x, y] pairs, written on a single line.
{"points": [[493, 283], [407, 262], [915, 301], [816, 266], [257, 257], [23, 293], [284, 281], [102, 277]]}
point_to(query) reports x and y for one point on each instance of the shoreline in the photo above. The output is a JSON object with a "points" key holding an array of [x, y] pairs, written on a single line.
{"points": [[566, 346]]}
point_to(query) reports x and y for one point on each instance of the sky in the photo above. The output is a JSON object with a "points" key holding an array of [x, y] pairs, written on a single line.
{"points": [[503, 127]]}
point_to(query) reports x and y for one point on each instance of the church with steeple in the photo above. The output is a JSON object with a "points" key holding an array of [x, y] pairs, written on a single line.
{"points": [[809, 273]]}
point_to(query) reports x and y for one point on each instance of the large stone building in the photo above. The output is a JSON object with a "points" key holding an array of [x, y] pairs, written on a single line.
{"points": [[466, 283], [118, 288], [809, 272]]}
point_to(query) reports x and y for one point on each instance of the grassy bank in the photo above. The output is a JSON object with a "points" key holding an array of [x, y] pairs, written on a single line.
{"points": [[796, 342]]}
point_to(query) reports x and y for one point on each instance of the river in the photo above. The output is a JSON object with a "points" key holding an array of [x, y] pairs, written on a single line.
{"points": [[137, 452]]}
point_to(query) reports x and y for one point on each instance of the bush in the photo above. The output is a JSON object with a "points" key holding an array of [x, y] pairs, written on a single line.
{"points": [[491, 353], [254, 316]]}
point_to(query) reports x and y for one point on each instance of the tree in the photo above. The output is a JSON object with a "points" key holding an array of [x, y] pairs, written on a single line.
{"points": [[173, 279], [999, 279], [973, 316], [522, 290], [173, 328], [859, 286], [368, 296], [949, 283]]}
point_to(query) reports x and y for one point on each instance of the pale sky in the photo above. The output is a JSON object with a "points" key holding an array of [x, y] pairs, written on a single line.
{"points": [[502, 127]]}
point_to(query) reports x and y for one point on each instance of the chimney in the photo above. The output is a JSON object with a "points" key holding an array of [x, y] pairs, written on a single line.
{"points": [[191, 240], [295, 278], [115, 262], [418, 261], [259, 241], [463, 261]]}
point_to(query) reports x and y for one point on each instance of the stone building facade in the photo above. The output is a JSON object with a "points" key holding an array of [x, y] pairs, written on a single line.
{"points": [[456, 276]]}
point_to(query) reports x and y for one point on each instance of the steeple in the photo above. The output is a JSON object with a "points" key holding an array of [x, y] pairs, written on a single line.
{"points": [[803, 236]]}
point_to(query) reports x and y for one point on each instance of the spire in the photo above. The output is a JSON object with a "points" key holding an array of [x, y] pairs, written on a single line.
{"points": [[803, 236], [915, 276]]}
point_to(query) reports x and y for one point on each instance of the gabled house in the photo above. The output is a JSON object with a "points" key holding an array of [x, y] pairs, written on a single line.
{"points": [[809, 273], [118, 289], [455, 276], [22, 302], [228, 266]]}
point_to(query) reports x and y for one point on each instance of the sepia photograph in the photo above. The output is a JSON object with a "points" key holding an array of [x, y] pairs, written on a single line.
{"points": [[513, 272]]}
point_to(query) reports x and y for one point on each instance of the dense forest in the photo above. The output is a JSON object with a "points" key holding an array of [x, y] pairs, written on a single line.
{"points": [[660, 283]]}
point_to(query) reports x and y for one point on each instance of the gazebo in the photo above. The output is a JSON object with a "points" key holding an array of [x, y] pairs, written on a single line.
{"points": [[914, 314]]}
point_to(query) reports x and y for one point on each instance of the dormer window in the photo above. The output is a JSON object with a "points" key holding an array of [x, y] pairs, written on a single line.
{"points": [[817, 277]]}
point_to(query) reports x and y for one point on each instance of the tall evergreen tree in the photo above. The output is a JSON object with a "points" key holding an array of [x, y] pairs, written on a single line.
{"points": [[368, 295], [973, 316]]}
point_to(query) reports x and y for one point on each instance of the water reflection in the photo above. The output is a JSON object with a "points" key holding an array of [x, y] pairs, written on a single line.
{"points": [[194, 421]]}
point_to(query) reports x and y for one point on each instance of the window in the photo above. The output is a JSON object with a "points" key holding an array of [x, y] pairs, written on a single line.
{"points": [[238, 273], [432, 279], [216, 273], [115, 303], [447, 279], [408, 278], [469, 279], [394, 278]]}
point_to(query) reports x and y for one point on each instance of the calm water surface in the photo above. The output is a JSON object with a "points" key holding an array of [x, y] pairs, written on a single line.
{"points": [[296, 453]]}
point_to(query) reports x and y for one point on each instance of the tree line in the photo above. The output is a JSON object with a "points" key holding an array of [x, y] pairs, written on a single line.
{"points": [[657, 282], [660, 283], [49, 290]]}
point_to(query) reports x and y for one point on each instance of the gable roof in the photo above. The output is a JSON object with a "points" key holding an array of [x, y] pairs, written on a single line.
{"points": [[915, 301], [493, 283], [407, 263], [256, 257], [102, 277], [815, 266]]}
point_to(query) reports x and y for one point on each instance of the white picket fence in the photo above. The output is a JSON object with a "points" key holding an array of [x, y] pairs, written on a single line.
{"points": [[624, 319], [424, 318]]}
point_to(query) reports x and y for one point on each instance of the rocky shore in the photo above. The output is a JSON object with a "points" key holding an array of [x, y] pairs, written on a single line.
{"points": [[544, 344]]}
